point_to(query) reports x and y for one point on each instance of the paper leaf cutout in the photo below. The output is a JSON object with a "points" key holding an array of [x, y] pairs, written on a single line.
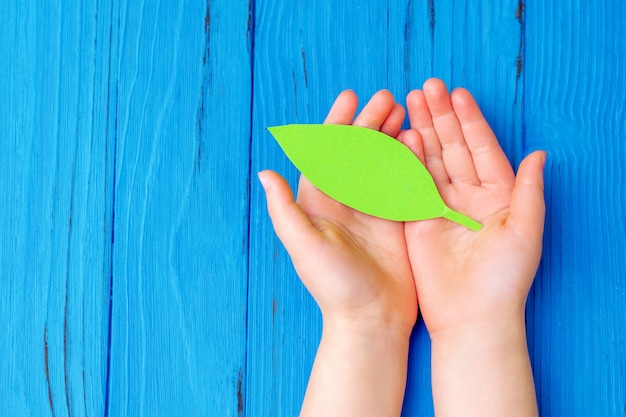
{"points": [[366, 170]]}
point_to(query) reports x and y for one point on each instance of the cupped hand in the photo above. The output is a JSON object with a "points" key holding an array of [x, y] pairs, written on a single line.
{"points": [[355, 266], [464, 277]]}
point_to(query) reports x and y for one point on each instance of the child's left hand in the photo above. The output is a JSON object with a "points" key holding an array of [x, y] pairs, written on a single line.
{"points": [[355, 266]]}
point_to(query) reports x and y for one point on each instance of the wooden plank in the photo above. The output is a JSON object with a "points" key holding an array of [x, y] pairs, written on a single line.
{"points": [[55, 209], [304, 55], [575, 72], [180, 244]]}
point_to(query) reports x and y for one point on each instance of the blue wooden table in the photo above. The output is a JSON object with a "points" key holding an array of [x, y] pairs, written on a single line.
{"points": [[139, 274]]}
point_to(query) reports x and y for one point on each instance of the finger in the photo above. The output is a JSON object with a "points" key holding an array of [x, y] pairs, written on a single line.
{"points": [[413, 141], [343, 109], [290, 222], [527, 210], [422, 122], [393, 123], [456, 156], [375, 111], [400, 137], [490, 162]]}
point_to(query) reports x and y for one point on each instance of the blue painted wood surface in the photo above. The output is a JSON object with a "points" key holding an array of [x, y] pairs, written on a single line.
{"points": [[140, 274]]}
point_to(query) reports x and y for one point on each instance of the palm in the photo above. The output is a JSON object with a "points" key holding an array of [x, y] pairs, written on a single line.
{"points": [[450, 275]]}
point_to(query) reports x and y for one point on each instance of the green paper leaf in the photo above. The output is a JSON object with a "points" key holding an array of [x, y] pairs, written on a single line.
{"points": [[367, 171]]}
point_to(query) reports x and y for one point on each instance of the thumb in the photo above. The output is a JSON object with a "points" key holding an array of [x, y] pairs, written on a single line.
{"points": [[291, 224], [527, 210]]}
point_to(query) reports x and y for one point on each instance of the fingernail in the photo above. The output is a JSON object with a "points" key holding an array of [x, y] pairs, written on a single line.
{"points": [[263, 180]]}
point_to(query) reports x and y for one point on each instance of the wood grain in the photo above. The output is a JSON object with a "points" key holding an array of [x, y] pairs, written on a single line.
{"points": [[180, 244], [575, 73], [139, 271], [55, 210]]}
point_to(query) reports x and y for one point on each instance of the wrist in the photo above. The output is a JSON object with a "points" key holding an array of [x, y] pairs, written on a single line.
{"points": [[510, 328], [460, 318], [359, 370], [485, 368], [393, 333]]}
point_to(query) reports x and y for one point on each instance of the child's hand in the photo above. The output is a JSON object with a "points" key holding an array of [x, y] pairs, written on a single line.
{"points": [[464, 276], [355, 266], [472, 286], [357, 269]]}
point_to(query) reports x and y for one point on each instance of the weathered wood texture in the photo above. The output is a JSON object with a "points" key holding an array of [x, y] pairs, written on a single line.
{"points": [[140, 274], [182, 103], [56, 194], [575, 107]]}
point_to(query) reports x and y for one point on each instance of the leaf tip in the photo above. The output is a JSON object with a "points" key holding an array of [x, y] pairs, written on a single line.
{"points": [[461, 219]]}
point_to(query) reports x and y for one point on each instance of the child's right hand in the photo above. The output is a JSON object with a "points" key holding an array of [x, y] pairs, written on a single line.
{"points": [[472, 286], [464, 276]]}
